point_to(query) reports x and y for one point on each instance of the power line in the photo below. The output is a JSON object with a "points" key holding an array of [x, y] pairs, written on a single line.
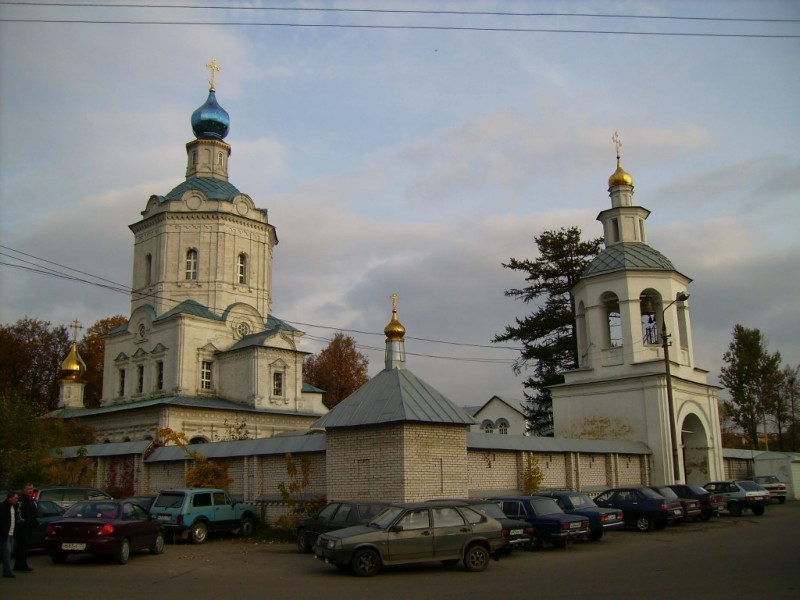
{"points": [[35, 268]]}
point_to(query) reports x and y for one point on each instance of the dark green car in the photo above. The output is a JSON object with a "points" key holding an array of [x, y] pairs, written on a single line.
{"points": [[412, 533]]}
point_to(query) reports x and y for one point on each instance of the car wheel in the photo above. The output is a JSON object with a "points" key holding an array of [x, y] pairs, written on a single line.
{"points": [[59, 558], [124, 552], [781, 499], [596, 535], [734, 509], [158, 544], [477, 558], [304, 544], [758, 510], [644, 523], [365, 563], [198, 533], [246, 526]]}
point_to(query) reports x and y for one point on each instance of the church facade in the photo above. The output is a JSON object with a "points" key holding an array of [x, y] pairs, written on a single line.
{"points": [[201, 353]]}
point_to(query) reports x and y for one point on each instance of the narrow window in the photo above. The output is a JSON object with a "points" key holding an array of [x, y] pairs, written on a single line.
{"points": [[160, 375], [205, 375], [191, 265], [615, 230], [241, 269], [148, 273], [121, 383], [139, 379], [219, 158], [194, 157], [641, 230], [277, 384], [649, 322], [683, 328]]}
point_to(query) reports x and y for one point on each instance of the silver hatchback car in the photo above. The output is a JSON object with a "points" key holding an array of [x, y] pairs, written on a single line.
{"points": [[448, 532]]}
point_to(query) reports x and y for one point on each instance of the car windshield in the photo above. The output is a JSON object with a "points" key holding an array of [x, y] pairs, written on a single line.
{"points": [[750, 486], [386, 517], [490, 509], [766, 479], [697, 490], [168, 501], [93, 510], [667, 493], [648, 493], [546, 506]]}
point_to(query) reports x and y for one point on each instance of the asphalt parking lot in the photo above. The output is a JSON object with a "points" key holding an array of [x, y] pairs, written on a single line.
{"points": [[745, 557]]}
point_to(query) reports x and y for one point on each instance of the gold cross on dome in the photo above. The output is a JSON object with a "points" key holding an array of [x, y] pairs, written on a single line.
{"points": [[213, 69], [394, 302], [76, 327], [617, 142]]}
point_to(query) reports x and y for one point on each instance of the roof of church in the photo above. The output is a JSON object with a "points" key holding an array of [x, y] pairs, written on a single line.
{"points": [[214, 189], [394, 395], [204, 402], [190, 307], [628, 257]]}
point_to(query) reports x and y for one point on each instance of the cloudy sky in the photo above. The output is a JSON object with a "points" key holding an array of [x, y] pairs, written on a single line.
{"points": [[412, 153]]}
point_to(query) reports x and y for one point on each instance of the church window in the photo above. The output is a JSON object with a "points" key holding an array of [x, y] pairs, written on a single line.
{"points": [[205, 375], [615, 230], [277, 384], [194, 157], [241, 269], [613, 333], [160, 375], [121, 383], [148, 273], [683, 328], [219, 158], [191, 264], [647, 309], [139, 379]]}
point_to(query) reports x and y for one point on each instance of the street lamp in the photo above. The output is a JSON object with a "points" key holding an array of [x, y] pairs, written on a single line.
{"points": [[676, 472]]}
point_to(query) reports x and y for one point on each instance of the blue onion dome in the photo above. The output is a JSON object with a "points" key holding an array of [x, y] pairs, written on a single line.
{"points": [[210, 121]]}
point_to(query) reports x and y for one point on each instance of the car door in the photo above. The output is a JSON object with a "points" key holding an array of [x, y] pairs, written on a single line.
{"points": [[411, 536], [135, 525], [224, 513], [450, 530]]}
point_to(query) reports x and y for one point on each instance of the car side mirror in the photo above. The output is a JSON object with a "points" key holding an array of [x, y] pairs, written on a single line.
{"points": [[397, 528]]}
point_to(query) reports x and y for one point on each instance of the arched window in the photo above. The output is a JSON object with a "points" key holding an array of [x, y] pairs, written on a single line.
{"points": [[487, 427], [191, 264], [206, 382], [648, 301], [502, 427], [219, 158], [241, 269], [613, 333]]}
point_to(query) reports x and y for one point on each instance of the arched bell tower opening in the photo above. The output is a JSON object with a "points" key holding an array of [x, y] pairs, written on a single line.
{"points": [[696, 450]]}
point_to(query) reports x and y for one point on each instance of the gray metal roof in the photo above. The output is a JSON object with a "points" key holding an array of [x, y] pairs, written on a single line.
{"points": [[740, 453], [206, 402], [214, 189], [484, 441], [295, 444], [394, 395], [115, 449], [628, 256], [190, 307]]}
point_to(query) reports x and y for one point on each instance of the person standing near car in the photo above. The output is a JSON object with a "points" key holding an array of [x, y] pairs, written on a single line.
{"points": [[8, 522], [28, 521]]}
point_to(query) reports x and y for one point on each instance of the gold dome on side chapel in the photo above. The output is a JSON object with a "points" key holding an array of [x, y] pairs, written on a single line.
{"points": [[394, 331], [620, 176], [73, 368]]}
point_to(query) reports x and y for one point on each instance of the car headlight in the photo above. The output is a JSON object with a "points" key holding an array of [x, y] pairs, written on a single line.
{"points": [[333, 544]]}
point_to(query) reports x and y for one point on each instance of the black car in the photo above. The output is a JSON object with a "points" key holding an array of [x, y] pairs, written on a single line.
{"points": [[643, 508], [710, 504], [550, 523], [691, 507], [577, 503], [336, 515]]}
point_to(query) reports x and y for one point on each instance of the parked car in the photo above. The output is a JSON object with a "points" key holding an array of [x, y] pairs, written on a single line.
{"points": [[710, 504], [578, 503], [411, 533], [515, 533], [776, 488], [691, 507], [551, 524], [643, 508], [145, 501], [336, 515], [47, 512], [740, 494], [105, 527], [67, 496], [193, 512]]}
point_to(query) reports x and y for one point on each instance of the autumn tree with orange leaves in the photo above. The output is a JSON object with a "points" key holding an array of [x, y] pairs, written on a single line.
{"points": [[339, 369]]}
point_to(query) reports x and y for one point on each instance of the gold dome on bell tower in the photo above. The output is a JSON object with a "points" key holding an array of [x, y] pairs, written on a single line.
{"points": [[620, 176], [73, 368], [394, 331]]}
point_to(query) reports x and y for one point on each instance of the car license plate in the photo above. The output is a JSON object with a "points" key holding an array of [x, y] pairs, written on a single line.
{"points": [[611, 518], [678, 511], [73, 546], [574, 525], [164, 518], [516, 532]]}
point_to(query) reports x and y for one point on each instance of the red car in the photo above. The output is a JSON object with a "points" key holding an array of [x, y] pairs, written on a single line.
{"points": [[104, 527]]}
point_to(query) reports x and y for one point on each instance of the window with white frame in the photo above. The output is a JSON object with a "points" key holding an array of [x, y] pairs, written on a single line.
{"points": [[277, 383], [205, 375], [191, 264], [502, 427], [241, 269]]}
